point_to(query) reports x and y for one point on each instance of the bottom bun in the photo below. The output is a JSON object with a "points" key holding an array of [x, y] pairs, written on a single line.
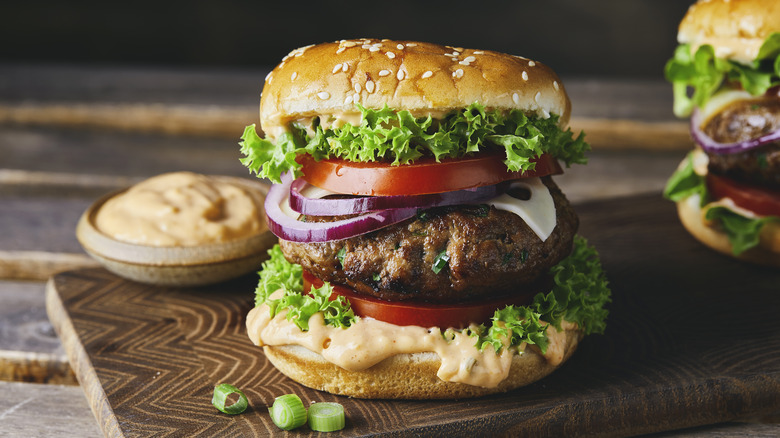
{"points": [[692, 218], [405, 376]]}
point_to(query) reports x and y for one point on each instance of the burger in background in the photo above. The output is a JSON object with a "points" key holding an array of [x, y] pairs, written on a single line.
{"points": [[425, 250], [726, 77]]}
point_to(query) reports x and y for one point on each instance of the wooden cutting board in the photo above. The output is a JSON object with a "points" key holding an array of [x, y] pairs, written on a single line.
{"points": [[693, 338]]}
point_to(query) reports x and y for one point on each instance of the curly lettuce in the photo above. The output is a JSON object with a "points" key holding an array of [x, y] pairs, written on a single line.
{"points": [[743, 232], [579, 295], [400, 138], [703, 73], [278, 274]]}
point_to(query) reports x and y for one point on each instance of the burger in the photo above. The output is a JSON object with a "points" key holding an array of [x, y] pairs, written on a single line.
{"points": [[725, 75], [424, 249]]}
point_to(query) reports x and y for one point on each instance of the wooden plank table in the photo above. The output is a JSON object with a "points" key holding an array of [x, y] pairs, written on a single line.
{"points": [[71, 134]]}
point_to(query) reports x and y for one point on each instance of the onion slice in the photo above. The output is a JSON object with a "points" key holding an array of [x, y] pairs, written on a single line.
{"points": [[711, 146], [283, 222], [303, 203]]}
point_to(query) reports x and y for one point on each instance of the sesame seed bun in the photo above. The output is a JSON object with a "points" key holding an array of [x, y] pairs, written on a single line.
{"points": [[422, 78], [406, 376], [735, 28], [692, 217]]}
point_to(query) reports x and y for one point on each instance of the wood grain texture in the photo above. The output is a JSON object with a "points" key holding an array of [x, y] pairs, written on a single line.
{"points": [[693, 339], [32, 410]]}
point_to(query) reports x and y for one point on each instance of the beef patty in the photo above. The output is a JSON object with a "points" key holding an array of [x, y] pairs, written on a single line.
{"points": [[740, 122], [491, 253]]}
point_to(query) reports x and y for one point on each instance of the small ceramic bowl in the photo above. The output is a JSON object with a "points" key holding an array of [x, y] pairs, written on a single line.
{"points": [[177, 265]]}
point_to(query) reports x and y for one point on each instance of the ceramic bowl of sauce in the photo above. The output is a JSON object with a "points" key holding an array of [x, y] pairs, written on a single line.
{"points": [[179, 229]]}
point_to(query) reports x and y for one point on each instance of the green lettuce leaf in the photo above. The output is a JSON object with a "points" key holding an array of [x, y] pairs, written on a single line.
{"points": [[399, 138], [579, 295], [704, 73], [278, 274], [684, 182], [743, 232]]}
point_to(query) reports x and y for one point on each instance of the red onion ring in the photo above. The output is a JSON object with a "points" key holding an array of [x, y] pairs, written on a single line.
{"points": [[365, 204], [289, 228], [709, 145]]}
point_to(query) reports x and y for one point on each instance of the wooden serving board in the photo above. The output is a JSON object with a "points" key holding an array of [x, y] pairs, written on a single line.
{"points": [[693, 338]]}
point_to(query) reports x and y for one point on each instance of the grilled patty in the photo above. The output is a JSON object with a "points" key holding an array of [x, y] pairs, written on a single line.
{"points": [[491, 253], [740, 122]]}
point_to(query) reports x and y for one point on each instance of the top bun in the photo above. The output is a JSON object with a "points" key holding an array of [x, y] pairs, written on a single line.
{"points": [[734, 28], [423, 78]]}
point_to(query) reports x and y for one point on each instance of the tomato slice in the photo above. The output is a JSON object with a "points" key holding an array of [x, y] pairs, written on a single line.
{"points": [[420, 314], [759, 200], [421, 177]]}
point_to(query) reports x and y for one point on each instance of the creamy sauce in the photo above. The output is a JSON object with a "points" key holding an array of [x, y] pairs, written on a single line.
{"points": [[369, 341], [181, 208]]}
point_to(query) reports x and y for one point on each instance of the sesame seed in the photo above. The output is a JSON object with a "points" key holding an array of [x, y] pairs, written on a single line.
{"points": [[427, 74], [516, 99], [348, 100], [268, 76], [340, 50], [373, 49], [555, 85], [384, 72], [531, 63], [390, 55], [345, 67], [323, 95], [411, 45], [350, 44], [545, 114], [337, 67], [293, 75], [370, 86], [400, 46], [356, 98], [525, 76], [457, 73], [470, 59], [479, 52], [357, 87], [464, 62], [537, 96], [400, 75], [451, 55]]}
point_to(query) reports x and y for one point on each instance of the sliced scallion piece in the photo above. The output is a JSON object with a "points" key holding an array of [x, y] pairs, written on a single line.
{"points": [[288, 412], [440, 262], [221, 393], [326, 417]]}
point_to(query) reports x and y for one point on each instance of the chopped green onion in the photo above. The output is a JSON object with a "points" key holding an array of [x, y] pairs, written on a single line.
{"points": [[340, 255], [288, 412], [440, 262], [221, 393], [326, 417]]}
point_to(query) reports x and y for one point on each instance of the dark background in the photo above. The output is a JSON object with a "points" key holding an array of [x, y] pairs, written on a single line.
{"points": [[617, 38]]}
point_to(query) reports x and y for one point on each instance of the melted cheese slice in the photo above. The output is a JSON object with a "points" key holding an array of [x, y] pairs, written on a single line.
{"points": [[538, 211], [720, 101]]}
